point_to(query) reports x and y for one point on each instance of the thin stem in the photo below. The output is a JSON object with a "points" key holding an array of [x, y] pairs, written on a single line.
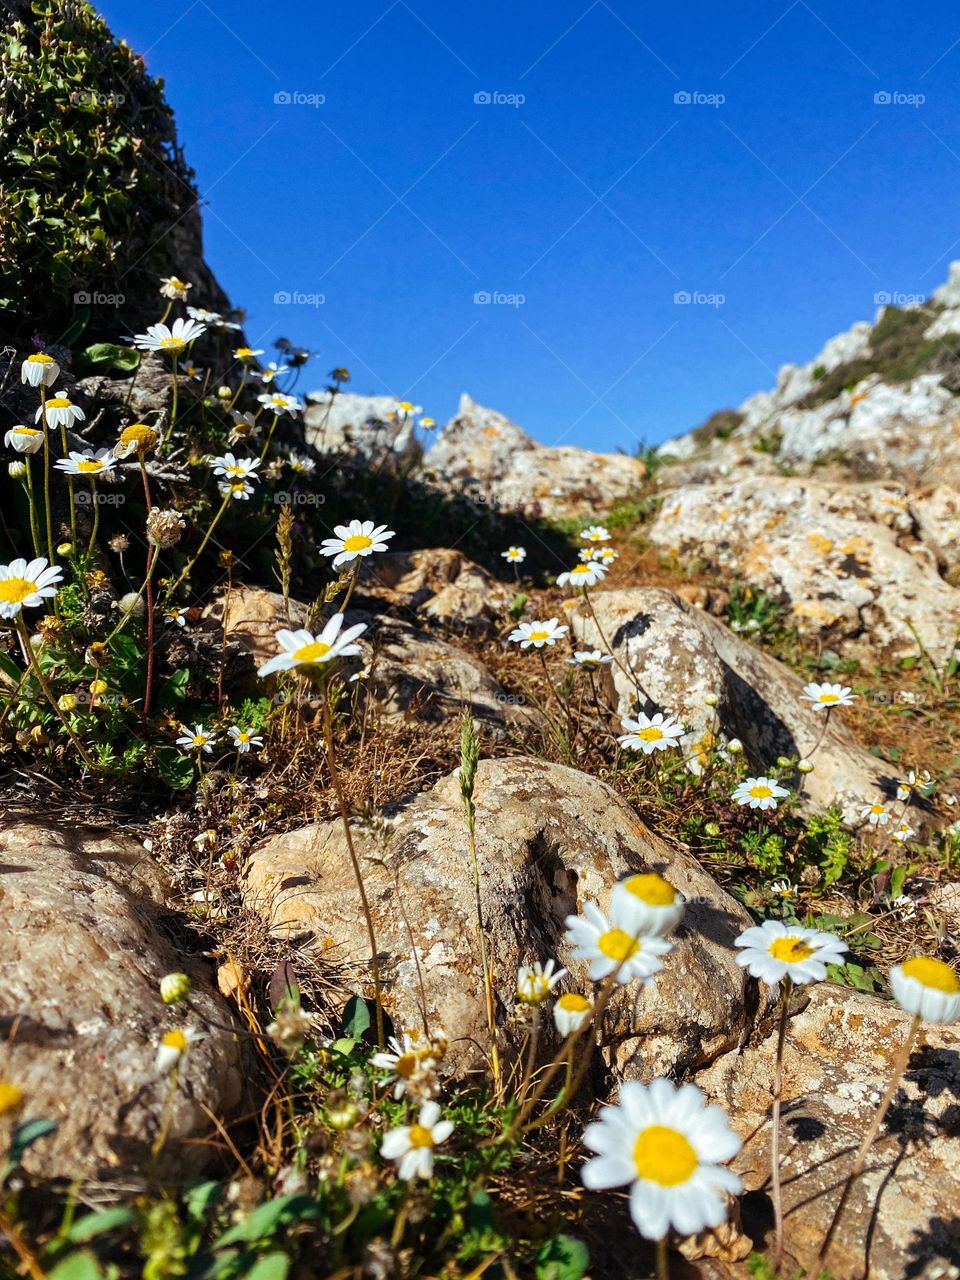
{"points": [[46, 470], [95, 528], [199, 551], [266, 443], [34, 531], [73, 508], [776, 1188], [345, 819], [663, 1264], [531, 1052], [350, 585], [48, 692], [899, 1067], [152, 553]]}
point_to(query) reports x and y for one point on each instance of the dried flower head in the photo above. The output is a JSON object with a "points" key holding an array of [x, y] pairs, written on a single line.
{"points": [[165, 528]]}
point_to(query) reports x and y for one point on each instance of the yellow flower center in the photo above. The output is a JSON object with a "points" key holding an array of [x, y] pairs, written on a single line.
{"points": [[175, 1040], [59, 402], [243, 737], [312, 652], [574, 1003], [664, 1156], [199, 739], [90, 464], [357, 542], [172, 344], [829, 697], [15, 590], [581, 568], [618, 945], [30, 432], [540, 635], [140, 434], [933, 973], [651, 889], [651, 733], [406, 1065], [790, 949], [761, 792], [420, 1136], [41, 358]]}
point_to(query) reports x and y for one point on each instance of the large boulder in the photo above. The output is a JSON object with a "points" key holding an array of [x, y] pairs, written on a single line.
{"points": [[442, 586], [845, 560], [672, 656], [82, 952], [371, 427], [548, 840], [901, 1218], [486, 455]]}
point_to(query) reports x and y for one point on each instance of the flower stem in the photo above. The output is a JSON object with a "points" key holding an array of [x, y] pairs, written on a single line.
{"points": [[899, 1067], [152, 553], [34, 530], [775, 1185], [266, 443], [206, 538], [46, 471], [73, 507], [95, 528], [48, 692], [663, 1265], [364, 903]]}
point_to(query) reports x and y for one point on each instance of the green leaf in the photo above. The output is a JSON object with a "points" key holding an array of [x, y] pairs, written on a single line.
{"points": [[200, 1197], [25, 1135], [267, 1217], [356, 1018], [175, 688], [562, 1258], [78, 1266], [96, 1224], [102, 356], [274, 1266], [175, 769]]}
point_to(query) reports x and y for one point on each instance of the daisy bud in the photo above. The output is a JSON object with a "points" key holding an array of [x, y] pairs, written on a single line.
{"points": [[570, 1013], [343, 1116], [805, 766], [67, 702], [165, 528], [97, 687], [131, 603], [137, 438], [224, 393], [735, 747], [16, 470], [784, 762], [65, 549], [174, 987], [711, 700], [712, 829]]}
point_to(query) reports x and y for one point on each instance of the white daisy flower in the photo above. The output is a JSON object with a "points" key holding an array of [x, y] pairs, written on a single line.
{"points": [[277, 402], [204, 317], [87, 463], [25, 585], [582, 575], [39, 370], [196, 739], [902, 833], [412, 1145], [927, 988], [303, 649], [570, 1012], [235, 468], [537, 634], [245, 354], [300, 465], [61, 412], [271, 372], [516, 555], [775, 950], [646, 904], [758, 793], [170, 338], [536, 981], [905, 905], [913, 782], [173, 1046], [906, 697], [244, 739], [783, 889], [406, 1058], [669, 1146], [406, 409], [608, 948], [875, 814], [239, 490], [427, 423], [650, 733], [177, 616], [175, 289], [604, 555], [24, 439], [595, 533], [589, 659], [825, 696], [358, 538]]}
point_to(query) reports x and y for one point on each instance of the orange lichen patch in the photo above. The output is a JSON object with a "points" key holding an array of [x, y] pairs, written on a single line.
{"points": [[857, 546], [820, 542], [858, 398], [724, 513], [492, 432], [815, 611], [756, 560]]}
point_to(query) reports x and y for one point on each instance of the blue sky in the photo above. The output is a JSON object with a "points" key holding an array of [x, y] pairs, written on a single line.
{"points": [[577, 193]]}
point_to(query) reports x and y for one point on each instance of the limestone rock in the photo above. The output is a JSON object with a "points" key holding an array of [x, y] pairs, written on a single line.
{"points": [[679, 655], [901, 1215], [370, 426], [548, 840], [844, 559], [82, 953], [485, 454], [442, 586]]}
